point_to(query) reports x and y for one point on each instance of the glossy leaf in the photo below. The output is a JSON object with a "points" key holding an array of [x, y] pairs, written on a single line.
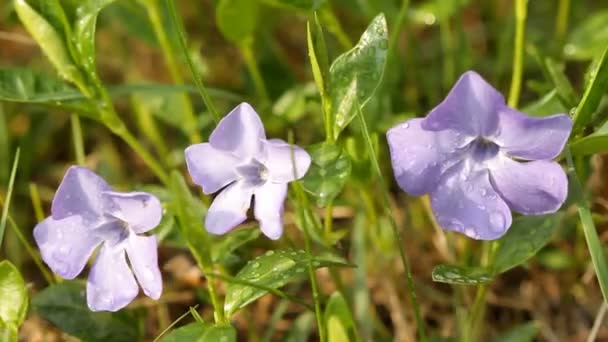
{"points": [[8, 333], [202, 332], [51, 40], [461, 275], [336, 332], [338, 318], [271, 270], [228, 243], [589, 38], [309, 5], [328, 172], [521, 333], [597, 83], [592, 144], [13, 295], [527, 235], [26, 85], [355, 75], [64, 305], [84, 30], [237, 19]]}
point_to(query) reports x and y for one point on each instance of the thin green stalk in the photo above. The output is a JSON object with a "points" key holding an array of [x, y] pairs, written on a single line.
{"points": [[11, 184], [398, 238], [333, 25], [178, 25], [598, 259], [397, 26], [36, 203], [561, 24], [184, 315], [479, 305], [77, 139], [518, 52], [154, 13], [152, 163], [254, 70], [329, 219]]}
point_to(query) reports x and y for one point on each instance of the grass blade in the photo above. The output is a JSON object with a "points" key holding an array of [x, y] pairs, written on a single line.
{"points": [[9, 192]]}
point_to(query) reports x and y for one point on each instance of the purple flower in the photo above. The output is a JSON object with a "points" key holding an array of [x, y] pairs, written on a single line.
{"points": [[239, 160], [87, 213], [478, 158]]}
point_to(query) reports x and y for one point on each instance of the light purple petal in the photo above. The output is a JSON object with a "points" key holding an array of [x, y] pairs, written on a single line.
{"points": [[144, 261], [536, 187], [141, 210], [111, 285], [419, 156], [210, 167], [79, 194], [470, 108], [279, 161], [527, 137], [269, 200], [229, 208], [240, 132], [466, 202], [65, 245]]}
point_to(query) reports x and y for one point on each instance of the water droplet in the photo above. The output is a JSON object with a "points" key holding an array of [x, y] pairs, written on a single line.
{"points": [[470, 232], [497, 221], [483, 192], [406, 125], [256, 265]]}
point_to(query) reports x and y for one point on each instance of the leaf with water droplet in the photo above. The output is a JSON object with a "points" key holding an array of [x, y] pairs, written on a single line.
{"points": [[202, 332], [272, 271], [64, 305], [527, 235], [461, 275], [355, 75], [13, 296], [328, 172]]}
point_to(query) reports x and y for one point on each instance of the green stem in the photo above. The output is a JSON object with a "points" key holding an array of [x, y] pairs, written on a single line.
{"points": [[179, 27], [479, 305], [254, 70], [334, 26], [329, 219], [398, 238], [561, 25], [77, 139], [36, 203], [7, 203], [518, 53], [154, 12]]}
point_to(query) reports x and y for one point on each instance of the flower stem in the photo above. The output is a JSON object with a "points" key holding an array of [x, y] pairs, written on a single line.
{"points": [[398, 238], [77, 139], [518, 52], [154, 13], [329, 219], [179, 27], [561, 24]]}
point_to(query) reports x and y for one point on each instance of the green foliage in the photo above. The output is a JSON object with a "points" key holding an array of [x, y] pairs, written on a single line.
{"points": [[588, 39], [328, 172], [309, 5], [433, 11], [202, 332], [356, 74], [339, 319], [271, 270], [13, 301], [461, 275], [597, 83], [521, 333], [26, 85], [237, 19], [64, 305]]}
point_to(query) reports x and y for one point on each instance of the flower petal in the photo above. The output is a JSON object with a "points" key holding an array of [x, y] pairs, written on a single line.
{"points": [[279, 162], [466, 202], [210, 167], [141, 210], [240, 132], [532, 138], [65, 245], [111, 285], [419, 156], [79, 194], [269, 200], [229, 208], [469, 108], [532, 188], [142, 252]]}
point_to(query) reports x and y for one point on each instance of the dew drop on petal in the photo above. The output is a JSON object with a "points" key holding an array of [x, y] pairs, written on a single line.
{"points": [[497, 220]]}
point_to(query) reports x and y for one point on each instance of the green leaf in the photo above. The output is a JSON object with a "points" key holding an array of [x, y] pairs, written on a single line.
{"points": [[271, 270], [13, 295], [26, 85], [309, 5], [355, 75], [431, 12], [64, 305], [597, 83], [549, 104], [237, 19], [560, 81], [302, 327], [338, 318], [202, 332], [460, 275], [328, 172], [228, 243], [84, 31], [588, 40], [317, 51], [591, 144], [521, 333], [9, 333], [527, 235], [51, 41]]}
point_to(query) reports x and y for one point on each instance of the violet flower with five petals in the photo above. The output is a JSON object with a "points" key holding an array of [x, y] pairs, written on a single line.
{"points": [[240, 161], [87, 213], [478, 158]]}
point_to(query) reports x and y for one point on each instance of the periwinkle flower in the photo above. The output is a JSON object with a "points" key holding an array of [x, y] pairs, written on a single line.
{"points": [[86, 213], [478, 158], [240, 161]]}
